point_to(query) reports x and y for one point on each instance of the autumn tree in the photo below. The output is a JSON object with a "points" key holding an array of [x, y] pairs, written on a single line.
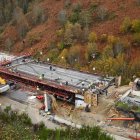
{"points": [[108, 52], [68, 35], [126, 25], [62, 58], [21, 22], [85, 18], [74, 55], [135, 25], [91, 51], [102, 12], [77, 31], [39, 15], [8, 44], [92, 37]]}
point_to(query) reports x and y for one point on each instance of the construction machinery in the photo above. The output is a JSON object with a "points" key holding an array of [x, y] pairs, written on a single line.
{"points": [[3, 85]]}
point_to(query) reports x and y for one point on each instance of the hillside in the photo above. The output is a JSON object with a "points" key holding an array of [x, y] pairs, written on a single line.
{"points": [[81, 34]]}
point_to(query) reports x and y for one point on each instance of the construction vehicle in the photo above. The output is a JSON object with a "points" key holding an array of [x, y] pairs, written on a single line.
{"points": [[3, 85]]}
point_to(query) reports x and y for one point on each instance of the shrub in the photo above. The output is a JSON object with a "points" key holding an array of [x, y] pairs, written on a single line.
{"points": [[53, 54], [74, 17], [136, 25], [60, 32], [102, 13], [126, 25], [24, 118], [93, 7], [123, 106], [85, 18], [103, 38], [67, 3], [112, 39], [33, 38], [92, 37], [76, 7], [136, 39]]}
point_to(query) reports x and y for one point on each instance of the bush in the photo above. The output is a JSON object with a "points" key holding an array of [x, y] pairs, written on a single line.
{"points": [[123, 106], [93, 7], [136, 26], [76, 7], [112, 39], [126, 25], [33, 38], [24, 118], [74, 17], [136, 39], [102, 13], [92, 37], [103, 38]]}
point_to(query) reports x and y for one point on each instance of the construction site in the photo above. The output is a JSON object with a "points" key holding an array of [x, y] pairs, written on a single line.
{"points": [[64, 97]]}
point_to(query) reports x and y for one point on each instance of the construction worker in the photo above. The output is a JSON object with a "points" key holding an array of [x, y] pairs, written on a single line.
{"points": [[50, 67]]}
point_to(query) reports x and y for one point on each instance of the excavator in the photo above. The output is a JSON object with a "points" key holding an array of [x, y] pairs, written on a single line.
{"points": [[3, 85]]}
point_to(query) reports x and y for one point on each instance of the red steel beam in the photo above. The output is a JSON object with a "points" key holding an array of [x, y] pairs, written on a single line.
{"points": [[122, 119], [51, 88]]}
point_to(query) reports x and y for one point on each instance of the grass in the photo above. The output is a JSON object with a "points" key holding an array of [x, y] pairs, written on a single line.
{"points": [[15, 126]]}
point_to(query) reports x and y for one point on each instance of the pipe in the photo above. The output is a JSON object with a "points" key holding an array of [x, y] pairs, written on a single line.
{"points": [[125, 119]]}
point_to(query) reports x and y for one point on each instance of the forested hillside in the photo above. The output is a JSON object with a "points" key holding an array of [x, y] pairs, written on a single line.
{"points": [[100, 36]]}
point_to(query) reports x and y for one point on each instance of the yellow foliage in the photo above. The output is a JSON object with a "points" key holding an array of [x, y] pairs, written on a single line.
{"points": [[136, 25], [92, 37], [112, 39]]}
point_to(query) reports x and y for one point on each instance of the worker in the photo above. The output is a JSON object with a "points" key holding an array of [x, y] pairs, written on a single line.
{"points": [[66, 82], [87, 108], [50, 67]]}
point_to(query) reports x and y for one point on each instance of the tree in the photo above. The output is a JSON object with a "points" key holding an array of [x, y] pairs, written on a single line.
{"points": [[136, 39], [85, 18], [108, 52], [92, 37], [62, 17], [126, 25], [136, 25], [21, 22], [8, 44], [102, 12], [74, 55], [68, 35], [62, 58], [38, 14], [91, 51], [77, 31], [118, 48]]}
